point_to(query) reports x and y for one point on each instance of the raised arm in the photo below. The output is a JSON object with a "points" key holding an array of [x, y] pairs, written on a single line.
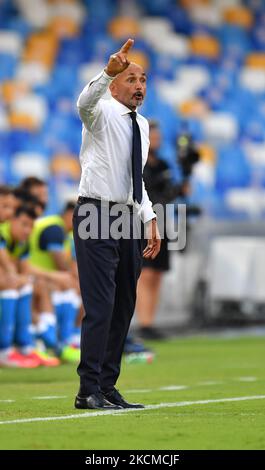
{"points": [[88, 100]]}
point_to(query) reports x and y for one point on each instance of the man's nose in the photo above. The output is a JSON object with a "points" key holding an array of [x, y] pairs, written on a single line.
{"points": [[139, 86]]}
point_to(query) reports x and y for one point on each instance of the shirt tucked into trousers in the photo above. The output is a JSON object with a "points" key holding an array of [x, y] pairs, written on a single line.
{"points": [[108, 268]]}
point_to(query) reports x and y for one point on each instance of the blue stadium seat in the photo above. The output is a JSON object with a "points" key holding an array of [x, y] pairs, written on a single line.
{"points": [[232, 169]]}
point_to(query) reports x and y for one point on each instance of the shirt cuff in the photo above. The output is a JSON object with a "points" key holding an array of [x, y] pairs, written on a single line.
{"points": [[147, 214], [108, 77]]}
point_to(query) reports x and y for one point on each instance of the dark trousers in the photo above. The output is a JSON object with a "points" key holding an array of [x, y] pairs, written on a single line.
{"points": [[108, 273]]}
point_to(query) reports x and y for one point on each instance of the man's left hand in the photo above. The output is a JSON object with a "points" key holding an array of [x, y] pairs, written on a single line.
{"points": [[154, 241]]}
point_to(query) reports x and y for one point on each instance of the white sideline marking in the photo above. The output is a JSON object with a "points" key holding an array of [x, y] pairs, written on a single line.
{"points": [[93, 414], [247, 379], [168, 388], [209, 382], [49, 397], [173, 387]]}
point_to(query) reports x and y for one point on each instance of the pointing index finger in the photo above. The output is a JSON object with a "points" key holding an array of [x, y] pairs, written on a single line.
{"points": [[127, 46]]}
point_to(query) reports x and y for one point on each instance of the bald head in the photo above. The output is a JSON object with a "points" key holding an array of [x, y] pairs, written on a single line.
{"points": [[129, 87]]}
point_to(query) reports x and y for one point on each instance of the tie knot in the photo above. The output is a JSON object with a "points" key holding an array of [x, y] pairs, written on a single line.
{"points": [[133, 115]]}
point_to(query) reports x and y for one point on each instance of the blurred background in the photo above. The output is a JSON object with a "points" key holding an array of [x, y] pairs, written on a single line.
{"points": [[205, 62]]}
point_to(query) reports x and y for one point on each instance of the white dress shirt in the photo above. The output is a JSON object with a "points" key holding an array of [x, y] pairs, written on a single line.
{"points": [[106, 150]]}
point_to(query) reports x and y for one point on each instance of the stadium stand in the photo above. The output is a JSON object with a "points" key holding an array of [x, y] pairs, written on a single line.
{"points": [[206, 68], [205, 63]]}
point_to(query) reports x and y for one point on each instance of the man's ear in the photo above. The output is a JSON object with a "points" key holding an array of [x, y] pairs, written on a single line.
{"points": [[113, 88]]}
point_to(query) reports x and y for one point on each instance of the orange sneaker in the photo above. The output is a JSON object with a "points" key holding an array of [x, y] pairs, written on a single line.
{"points": [[44, 359]]}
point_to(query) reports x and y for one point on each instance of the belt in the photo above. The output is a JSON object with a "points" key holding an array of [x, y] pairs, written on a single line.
{"points": [[98, 202]]}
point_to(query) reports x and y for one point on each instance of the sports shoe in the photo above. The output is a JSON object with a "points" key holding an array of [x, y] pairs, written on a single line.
{"points": [[146, 357], [15, 359], [44, 358], [70, 354], [136, 352]]}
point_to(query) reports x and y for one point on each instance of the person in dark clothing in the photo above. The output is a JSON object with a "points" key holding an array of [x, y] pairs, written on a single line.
{"points": [[161, 189]]}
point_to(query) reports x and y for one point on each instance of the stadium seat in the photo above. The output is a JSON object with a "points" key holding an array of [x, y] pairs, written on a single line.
{"points": [[12, 90], [124, 27], [64, 26], [190, 3], [232, 169], [153, 28], [87, 71], [68, 9], [4, 123], [220, 127], [252, 79], [19, 120], [204, 172], [255, 153], [35, 12], [256, 60], [33, 106], [32, 73], [8, 66], [66, 166], [173, 44], [207, 153], [194, 108], [65, 191], [204, 45], [25, 164], [175, 93], [239, 15], [139, 58], [208, 14], [10, 43], [196, 76], [41, 48]]}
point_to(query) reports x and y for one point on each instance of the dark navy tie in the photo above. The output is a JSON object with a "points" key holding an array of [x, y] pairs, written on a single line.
{"points": [[136, 160]]}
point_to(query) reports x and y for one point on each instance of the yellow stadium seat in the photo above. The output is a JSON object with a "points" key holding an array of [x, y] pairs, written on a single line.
{"points": [[139, 58], [53, 2], [41, 47], [191, 3], [23, 121], [12, 90], [240, 16], [256, 60], [64, 27], [193, 107], [203, 45], [207, 153], [66, 165], [123, 27]]}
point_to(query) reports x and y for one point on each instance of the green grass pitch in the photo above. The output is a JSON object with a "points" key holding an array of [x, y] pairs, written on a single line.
{"points": [[200, 376]]}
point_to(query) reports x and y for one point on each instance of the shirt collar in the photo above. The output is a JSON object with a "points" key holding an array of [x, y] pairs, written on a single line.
{"points": [[121, 107]]}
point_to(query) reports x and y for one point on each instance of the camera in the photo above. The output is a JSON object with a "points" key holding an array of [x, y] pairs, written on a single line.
{"points": [[187, 154]]}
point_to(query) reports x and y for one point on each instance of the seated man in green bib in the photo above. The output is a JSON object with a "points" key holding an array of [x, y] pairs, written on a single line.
{"points": [[50, 251]]}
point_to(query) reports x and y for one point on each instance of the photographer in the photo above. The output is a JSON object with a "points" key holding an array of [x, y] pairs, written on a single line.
{"points": [[161, 189]]}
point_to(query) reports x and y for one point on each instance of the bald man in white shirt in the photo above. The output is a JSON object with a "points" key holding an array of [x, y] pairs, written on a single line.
{"points": [[114, 150]]}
